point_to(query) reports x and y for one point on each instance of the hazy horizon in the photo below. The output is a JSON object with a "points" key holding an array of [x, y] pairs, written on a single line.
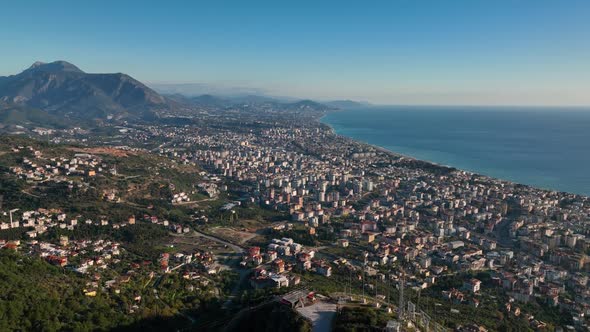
{"points": [[526, 53], [237, 91]]}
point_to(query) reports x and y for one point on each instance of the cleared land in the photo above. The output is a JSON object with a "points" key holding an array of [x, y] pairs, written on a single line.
{"points": [[320, 314], [232, 235]]}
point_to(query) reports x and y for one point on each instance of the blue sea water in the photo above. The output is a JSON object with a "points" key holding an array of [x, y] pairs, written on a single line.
{"points": [[543, 147]]}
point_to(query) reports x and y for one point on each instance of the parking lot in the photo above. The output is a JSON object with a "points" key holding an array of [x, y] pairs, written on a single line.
{"points": [[321, 314]]}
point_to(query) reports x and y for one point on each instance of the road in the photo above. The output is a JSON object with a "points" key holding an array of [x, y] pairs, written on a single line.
{"points": [[243, 273], [237, 249]]}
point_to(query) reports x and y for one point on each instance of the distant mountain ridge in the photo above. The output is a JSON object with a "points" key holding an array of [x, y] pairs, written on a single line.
{"points": [[310, 105], [61, 94], [61, 88], [347, 104], [213, 101]]}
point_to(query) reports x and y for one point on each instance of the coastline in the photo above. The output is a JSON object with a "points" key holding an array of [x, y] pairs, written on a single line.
{"points": [[388, 151], [377, 147], [321, 121]]}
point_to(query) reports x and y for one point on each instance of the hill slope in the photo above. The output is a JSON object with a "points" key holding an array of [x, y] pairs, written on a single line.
{"points": [[11, 114], [60, 88]]}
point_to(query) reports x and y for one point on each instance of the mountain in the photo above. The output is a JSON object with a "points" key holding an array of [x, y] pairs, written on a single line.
{"points": [[224, 100], [247, 102], [347, 104], [308, 105], [198, 89], [62, 89], [11, 114], [210, 101], [60, 94], [254, 99]]}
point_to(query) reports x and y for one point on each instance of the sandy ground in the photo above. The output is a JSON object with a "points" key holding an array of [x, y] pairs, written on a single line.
{"points": [[321, 315]]}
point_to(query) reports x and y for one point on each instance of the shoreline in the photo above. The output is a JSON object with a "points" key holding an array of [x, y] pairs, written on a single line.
{"points": [[396, 154]]}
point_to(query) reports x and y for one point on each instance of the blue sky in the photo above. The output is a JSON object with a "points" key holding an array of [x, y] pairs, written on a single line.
{"points": [[477, 52]]}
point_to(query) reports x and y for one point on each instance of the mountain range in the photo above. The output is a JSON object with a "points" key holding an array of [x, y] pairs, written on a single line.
{"points": [[60, 92], [230, 95], [212, 101]]}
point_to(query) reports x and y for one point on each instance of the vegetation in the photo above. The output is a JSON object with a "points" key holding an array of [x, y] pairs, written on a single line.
{"points": [[300, 236], [269, 317], [353, 319], [37, 296], [143, 239], [29, 117], [490, 312], [144, 183]]}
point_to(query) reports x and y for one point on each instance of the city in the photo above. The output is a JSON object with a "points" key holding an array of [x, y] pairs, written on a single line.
{"points": [[309, 166], [307, 209]]}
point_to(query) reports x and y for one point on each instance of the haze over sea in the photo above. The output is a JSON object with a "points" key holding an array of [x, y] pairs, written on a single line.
{"points": [[543, 147]]}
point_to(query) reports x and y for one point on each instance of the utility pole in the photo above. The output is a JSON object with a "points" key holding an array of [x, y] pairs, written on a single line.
{"points": [[400, 309], [363, 281], [350, 283], [388, 289]]}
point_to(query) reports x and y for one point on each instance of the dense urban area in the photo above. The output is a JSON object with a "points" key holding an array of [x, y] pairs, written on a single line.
{"points": [[256, 216]]}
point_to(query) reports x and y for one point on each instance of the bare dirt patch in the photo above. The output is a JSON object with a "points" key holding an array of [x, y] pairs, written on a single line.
{"points": [[104, 150], [187, 243], [232, 235]]}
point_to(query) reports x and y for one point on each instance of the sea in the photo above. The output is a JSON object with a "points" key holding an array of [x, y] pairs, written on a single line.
{"points": [[547, 148]]}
